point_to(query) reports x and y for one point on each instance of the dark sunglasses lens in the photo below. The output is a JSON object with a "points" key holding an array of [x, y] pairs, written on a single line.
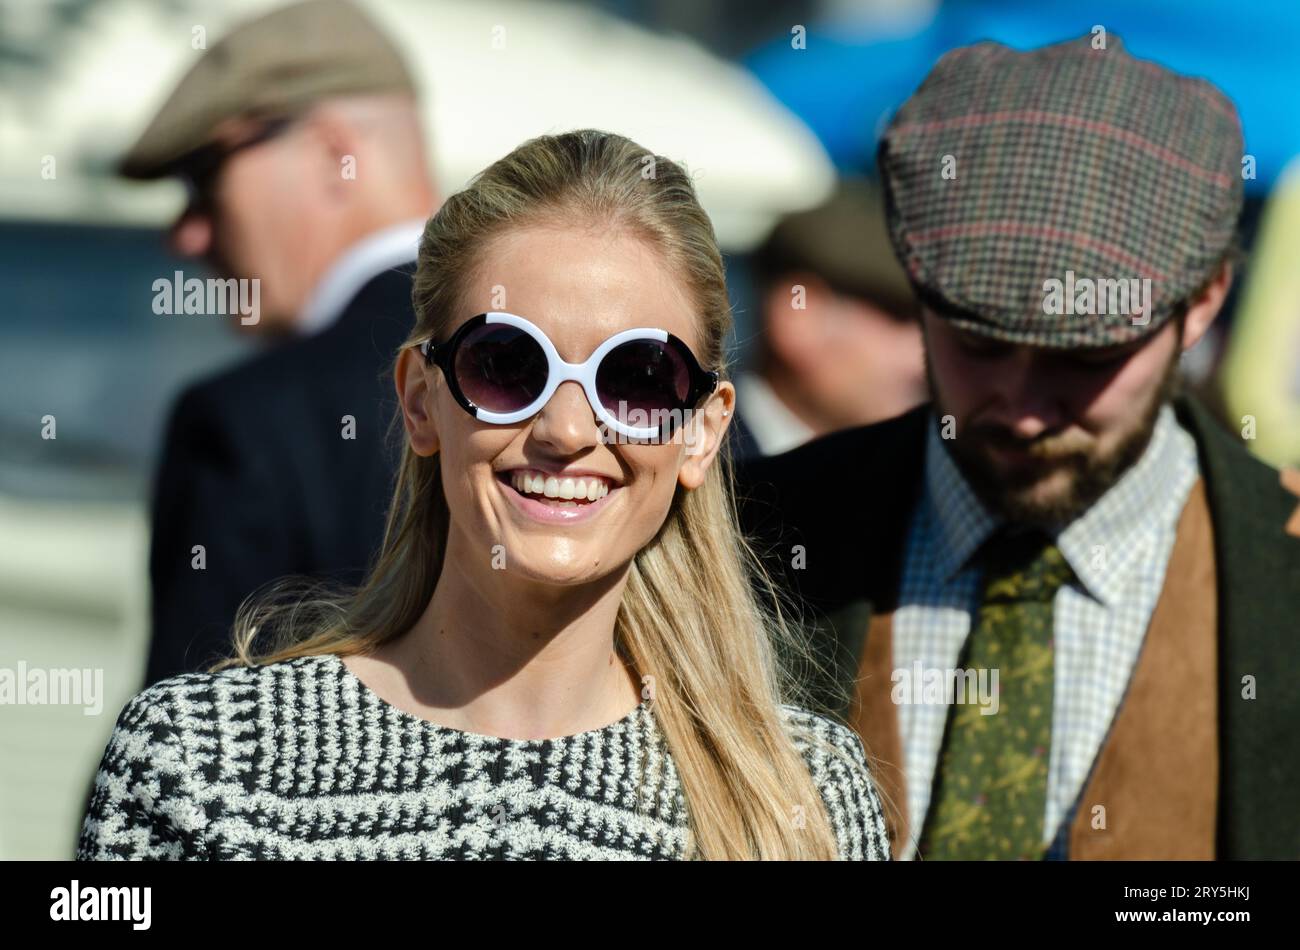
{"points": [[500, 368], [642, 377]]}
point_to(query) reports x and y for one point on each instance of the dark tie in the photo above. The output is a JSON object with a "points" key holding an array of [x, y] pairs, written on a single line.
{"points": [[991, 783]]}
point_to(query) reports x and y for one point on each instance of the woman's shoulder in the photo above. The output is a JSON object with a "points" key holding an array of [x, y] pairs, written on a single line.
{"points": [[825, 742], [838, 763], [149, 796], [195, 702], [805, 720]]}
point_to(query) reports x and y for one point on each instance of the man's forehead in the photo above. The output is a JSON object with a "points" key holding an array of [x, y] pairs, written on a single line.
{"points": [[965, 334]]}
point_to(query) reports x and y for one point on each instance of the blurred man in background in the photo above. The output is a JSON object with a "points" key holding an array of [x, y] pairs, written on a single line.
{"points": [[839, 344], [299, 139]]}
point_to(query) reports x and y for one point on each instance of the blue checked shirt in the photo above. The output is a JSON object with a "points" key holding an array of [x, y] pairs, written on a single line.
{"points": [[1118, 548]]}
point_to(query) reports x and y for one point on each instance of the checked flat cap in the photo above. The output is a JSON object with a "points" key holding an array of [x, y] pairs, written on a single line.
{"points": [[275, 66], [1010, 175]]}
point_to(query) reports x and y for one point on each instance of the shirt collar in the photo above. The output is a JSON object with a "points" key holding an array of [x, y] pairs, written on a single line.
{"points": [[775, 428], [962, 520], [354, 268], [1104, 544], [1100, 545]]}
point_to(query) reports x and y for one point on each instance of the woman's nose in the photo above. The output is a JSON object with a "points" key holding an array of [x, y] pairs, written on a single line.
{"points": [[567, 422]]}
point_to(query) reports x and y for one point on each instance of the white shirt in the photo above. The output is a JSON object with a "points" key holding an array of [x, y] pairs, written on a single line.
{"points": [[354, 268], [775, 428]]}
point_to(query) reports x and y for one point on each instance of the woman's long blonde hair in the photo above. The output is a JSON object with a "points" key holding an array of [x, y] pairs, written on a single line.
{"points": [[721, 658]]}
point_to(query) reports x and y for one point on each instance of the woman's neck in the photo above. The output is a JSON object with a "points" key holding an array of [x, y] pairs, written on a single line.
{"points": [[499, 655]]}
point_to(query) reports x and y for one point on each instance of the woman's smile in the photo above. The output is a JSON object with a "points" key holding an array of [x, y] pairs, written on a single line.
{"points": [[562, 497]]}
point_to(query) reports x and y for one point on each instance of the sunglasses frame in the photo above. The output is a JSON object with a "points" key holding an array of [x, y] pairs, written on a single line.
{"points": [[702, 381]]}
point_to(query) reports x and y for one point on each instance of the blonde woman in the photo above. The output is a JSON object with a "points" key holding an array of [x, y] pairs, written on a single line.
{"points": [[557, 654]]}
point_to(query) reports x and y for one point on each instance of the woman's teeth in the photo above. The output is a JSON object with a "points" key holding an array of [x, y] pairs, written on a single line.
{"points": [[566, 492]]}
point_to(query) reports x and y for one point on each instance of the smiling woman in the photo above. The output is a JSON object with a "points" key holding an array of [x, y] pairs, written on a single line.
{"points": [[558, 652]]}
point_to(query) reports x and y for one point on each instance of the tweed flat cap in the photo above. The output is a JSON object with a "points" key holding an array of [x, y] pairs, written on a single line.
{"points": [[272, 67], [1033, 193]]}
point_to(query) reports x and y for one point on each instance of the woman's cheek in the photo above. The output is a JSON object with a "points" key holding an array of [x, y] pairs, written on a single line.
{"points": [[660, 481]]}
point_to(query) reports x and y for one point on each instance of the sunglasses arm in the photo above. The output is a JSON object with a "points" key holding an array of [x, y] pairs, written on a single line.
{"points": [[710, 383]]}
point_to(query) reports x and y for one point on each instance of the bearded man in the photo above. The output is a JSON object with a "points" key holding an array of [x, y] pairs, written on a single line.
{"points": [[1058, 527]]}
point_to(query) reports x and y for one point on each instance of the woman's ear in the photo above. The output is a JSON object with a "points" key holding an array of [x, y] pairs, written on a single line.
{"points": [[704, 433], [413, 379]]}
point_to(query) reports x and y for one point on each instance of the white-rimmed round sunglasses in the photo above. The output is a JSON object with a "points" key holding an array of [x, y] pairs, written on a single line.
{"points": [[502, 369]]}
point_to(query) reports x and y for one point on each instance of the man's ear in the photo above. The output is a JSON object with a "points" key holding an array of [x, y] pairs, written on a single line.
{"points": [[1206, 307], [705, 433], [337, 145], [415, 391]]}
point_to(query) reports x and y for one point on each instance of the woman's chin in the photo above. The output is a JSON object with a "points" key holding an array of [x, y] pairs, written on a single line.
{"points": [[560, 574]]}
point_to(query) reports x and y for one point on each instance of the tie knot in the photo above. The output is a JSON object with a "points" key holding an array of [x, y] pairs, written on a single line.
{"points": [[1022, 566]]}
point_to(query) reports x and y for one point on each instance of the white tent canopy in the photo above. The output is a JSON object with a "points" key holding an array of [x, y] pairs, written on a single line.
{"points": [[493, 73]]}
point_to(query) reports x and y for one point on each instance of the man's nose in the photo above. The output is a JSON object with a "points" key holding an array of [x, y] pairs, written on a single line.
{"points": [[191, 235], [1028, 403], [567, 423]]}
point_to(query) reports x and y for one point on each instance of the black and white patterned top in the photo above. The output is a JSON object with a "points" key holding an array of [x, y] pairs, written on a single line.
{"points": [[300, 760]]}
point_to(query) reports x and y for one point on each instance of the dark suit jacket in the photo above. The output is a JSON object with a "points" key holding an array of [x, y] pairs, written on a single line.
{"points": [[256, 469], [853, 544]]}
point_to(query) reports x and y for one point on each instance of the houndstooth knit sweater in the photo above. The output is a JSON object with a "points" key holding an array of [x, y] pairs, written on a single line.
{"points": [[300, 760]]}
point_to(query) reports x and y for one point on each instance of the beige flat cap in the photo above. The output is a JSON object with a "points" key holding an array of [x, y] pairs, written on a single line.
{"points": [[274, 66], [845, 242]]}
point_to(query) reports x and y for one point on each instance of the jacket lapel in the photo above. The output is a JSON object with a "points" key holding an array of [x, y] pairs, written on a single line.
{"points": [[874, 715]]}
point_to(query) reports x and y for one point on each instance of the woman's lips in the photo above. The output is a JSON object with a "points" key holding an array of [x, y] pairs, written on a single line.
{"points": [[554, 513]]}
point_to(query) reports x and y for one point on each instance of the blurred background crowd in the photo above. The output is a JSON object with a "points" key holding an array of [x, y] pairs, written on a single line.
{"points": [[774, 107]]}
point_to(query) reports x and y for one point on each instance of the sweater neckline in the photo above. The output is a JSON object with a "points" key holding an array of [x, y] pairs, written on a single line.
{"points": [[637, 718]]}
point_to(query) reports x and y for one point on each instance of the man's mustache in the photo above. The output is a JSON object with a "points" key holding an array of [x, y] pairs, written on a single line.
{"points": [[1050, 447]]}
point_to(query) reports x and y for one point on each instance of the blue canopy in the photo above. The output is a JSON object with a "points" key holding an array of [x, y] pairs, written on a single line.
{"points": [[846, 86]]}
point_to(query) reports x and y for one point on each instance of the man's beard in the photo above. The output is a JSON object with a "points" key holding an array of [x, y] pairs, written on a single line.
{"points": [[1089, 474]]}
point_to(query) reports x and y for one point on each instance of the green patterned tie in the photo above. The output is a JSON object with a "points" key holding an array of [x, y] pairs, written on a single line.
{"points": [[991, 783]]}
